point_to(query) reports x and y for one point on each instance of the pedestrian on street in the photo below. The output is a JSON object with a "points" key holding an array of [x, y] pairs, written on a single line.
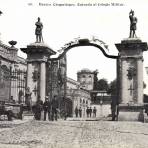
{"points": [[80, 112], [46, 108], [114, 109], [87, 112], [21, 112], [54, 107], [38, 108], [90, 111], [76, 111], [94, 111]]}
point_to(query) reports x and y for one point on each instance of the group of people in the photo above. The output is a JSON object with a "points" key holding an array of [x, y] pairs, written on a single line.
{"points": [[49, 108], [78, 112], [89, 112]]}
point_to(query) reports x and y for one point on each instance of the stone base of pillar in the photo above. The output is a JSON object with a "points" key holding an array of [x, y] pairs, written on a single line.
{"points": [[131, 112]]}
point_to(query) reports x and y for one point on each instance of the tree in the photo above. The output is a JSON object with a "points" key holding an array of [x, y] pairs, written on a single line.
{"points": [[113, 88], [102, 84]]}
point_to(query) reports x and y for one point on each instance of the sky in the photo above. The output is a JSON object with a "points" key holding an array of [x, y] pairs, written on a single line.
{"points": [[64, 23]]}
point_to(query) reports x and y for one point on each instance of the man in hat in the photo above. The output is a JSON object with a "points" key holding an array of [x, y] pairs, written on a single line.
{"points": [[90, 111], [76, 111], [46, 108], [54, 105], [94, 111], [87, 111], [80, 112], [38, 108]]}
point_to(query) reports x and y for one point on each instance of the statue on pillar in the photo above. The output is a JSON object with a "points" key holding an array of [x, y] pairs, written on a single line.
{"points": [[133, 22], [38, 31], [28, 98]]}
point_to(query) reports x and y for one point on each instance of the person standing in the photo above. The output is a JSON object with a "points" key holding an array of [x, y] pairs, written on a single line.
{"points": [[80, 112], [54, 107], [76, 111], [87, 112], [46, 108], [28, 98], [38, 109], [94, 111], [90, 111]]}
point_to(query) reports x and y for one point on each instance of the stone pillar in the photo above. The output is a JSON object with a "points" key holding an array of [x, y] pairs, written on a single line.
{"points": [[131, 56], [124, 97], [140, 80], [42, 81], [37, 56]]}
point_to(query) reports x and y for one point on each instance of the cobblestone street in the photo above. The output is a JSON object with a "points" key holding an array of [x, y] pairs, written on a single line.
{"points": [[75, 134]]}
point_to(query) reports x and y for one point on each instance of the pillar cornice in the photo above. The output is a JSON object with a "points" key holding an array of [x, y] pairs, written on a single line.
{"points": [[36, 60], [132, 44], [131, 57]]}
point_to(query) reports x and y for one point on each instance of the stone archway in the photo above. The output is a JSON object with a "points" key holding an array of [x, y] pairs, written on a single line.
{"points": [[129, 71], [129, 98], [84, 42]]}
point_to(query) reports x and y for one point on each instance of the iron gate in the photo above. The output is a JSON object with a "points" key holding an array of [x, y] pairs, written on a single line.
{"points": [[18, 85]]}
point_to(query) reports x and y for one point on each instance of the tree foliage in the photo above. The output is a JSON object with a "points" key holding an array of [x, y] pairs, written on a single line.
{"points": [[102, 84]]}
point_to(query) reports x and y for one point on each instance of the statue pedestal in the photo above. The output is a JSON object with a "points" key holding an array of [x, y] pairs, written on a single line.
{"points": [[130, 79], [37, 57], [132, 112]]}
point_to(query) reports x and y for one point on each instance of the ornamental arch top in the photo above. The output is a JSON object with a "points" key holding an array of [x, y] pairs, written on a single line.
{"points": [[95, 42], [130, 91], [85, 42]]}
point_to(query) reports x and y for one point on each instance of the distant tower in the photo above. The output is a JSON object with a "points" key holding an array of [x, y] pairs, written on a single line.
{"points": [[86, 79]]}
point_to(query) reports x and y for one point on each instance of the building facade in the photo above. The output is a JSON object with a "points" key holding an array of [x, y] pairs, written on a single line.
{"points": [[86, 78], [70, 93], [78, 96], [12, 73]]}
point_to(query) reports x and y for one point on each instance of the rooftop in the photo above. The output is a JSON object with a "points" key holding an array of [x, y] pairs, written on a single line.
{"points": [[86, 70]]}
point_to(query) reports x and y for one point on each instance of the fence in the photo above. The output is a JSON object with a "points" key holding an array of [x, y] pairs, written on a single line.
{"points": [[18, 85]]}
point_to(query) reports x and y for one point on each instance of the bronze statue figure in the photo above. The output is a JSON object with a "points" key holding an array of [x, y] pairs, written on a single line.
{"points": [[38, 31], [28, 98], [133, 22]]}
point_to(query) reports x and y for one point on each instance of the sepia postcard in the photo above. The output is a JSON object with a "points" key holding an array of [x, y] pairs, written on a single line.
{"points": [[73, 74]]}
